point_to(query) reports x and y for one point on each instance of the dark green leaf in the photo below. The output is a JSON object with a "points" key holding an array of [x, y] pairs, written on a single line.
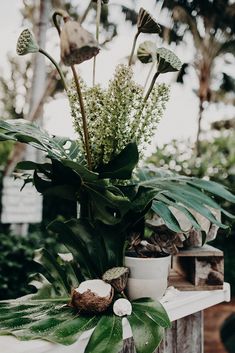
{"points": [[107, 337], [121, 166], [147, 334], [167, 216]]}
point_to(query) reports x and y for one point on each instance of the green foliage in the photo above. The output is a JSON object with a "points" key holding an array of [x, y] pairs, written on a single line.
{"points": [[16, 262], [5, 150]]}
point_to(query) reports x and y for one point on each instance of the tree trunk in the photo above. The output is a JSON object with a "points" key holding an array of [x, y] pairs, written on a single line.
{"points": [[204, 94]]}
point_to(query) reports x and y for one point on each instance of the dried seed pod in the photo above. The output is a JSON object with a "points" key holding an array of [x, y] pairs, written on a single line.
{"points": [[167, 61], [76, 44], [117, 277], [92, 296], [146, 52], [26, 43], [146, 23]]}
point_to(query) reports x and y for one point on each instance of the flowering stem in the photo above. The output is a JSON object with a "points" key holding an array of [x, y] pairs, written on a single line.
{"points": [[84, 120], [56, 65], [133, 48], [65, 16], [98, 14], [151, 85]]}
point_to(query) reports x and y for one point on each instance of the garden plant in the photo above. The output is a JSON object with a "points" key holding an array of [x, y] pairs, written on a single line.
{"points": [[86, 288]]}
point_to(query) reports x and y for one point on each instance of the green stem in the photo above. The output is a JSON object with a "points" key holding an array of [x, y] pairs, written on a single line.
{"points": [[133, 48], [60, 13], [56, 65], [149, 74], [86, 12], [151, 85], [65, 16], [98, 14], [84, 120]]}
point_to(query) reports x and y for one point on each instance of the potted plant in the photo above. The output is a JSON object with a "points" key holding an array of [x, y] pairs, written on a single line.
{"points": [[85, 289]]}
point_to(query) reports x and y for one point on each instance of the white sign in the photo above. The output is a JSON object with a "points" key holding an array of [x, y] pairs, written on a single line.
{"points": [[20, 206]]}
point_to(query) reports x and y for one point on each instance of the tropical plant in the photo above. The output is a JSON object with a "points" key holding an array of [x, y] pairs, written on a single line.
{"points": [[99, 171]]}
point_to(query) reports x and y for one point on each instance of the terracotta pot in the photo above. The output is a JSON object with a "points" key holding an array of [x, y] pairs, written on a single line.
{"points": [[148, 276]]}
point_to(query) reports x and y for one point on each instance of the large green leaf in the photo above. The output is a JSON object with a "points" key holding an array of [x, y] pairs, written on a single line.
{"points": [[30, 133], [153, 309], [110, 203], [50, 320], [55, 321], [107, 337], [54, 270], [167, 216], [121, 166], [73, 240], [147, 334]]}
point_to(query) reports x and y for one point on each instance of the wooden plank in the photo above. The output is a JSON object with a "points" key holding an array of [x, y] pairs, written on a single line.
{"points": [[185, 336]]}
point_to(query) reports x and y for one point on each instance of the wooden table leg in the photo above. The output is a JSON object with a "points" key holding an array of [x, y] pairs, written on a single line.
{"points": [[185, 336]]}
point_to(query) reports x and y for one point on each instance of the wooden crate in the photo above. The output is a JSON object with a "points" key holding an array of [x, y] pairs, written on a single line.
{"points": [[198, 269]]}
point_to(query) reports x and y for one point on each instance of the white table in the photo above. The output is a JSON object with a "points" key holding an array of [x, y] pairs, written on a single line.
{"points": [[182, 305]]}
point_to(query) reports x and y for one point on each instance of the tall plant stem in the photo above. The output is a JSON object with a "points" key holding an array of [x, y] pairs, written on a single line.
{"points": [[149, 74], [82, 19], [84, 120], [98, 14], [65, 16], [56, 66], [151, 85], [133, 48]]}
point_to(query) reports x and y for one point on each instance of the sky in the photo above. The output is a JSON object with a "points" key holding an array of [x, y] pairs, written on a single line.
{"points": [[180, 118]]}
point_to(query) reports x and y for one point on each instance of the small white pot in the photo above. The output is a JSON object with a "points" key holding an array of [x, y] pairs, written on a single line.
{"points": [[148, 276]]}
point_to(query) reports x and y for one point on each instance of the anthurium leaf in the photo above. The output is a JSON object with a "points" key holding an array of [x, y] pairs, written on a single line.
{"points": [[51, 320], [93, 241], [167, 216], [82, 171], [122, 165], [107, 336], [110, 205], [146, 333], [74, 236], [153, 309]]}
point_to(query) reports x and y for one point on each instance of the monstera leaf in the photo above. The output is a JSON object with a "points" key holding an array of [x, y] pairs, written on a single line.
{"points": [[55, 321]]}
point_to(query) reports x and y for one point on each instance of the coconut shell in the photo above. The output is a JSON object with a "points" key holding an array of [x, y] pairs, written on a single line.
{"points": [[89, 302]]}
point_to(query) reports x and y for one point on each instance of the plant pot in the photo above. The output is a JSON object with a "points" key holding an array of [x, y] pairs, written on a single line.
{"points": [[148, 276]]}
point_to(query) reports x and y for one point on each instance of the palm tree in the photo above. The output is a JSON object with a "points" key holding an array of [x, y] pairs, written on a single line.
{"points": [[212, 26]]}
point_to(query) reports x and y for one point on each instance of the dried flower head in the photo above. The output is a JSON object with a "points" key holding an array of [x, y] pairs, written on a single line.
{"points": [[117, 277], [77, 44], [146, 23], [167, 61], [146, 52], [26, 43]]}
